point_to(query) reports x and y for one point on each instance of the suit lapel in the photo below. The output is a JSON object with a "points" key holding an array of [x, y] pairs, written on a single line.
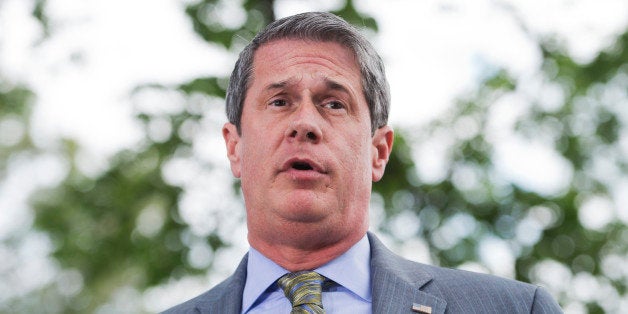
{"points": [[397, 282]]}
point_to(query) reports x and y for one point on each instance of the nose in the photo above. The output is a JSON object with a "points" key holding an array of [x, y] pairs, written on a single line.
{"points": [[305, 126]]}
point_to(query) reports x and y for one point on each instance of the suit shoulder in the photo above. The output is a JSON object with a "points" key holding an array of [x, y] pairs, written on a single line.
{"points": [[461, 279], [467, 288], [461, 291]]}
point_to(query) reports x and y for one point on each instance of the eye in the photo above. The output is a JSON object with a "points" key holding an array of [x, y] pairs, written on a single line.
{"points": [[279, 102], [334, 105]]}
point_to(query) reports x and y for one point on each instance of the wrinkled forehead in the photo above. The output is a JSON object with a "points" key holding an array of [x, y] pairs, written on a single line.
{"points": [[295, 40], [286, 62]]}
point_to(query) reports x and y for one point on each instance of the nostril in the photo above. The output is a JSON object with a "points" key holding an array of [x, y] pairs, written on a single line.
{"points": [[311, 135], [294, 133]]}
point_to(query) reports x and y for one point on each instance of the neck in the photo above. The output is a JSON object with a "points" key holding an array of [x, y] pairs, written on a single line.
{"points": [[305, 253]]}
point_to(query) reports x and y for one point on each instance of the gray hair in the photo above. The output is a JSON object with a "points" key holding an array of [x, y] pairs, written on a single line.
{"points": [[316, 26]]}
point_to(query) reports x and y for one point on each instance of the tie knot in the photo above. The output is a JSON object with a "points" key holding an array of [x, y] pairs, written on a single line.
{"points": [[304, 290]]}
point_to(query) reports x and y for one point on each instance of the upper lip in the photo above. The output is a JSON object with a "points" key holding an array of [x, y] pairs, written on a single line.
{"points": [[298, 161]]}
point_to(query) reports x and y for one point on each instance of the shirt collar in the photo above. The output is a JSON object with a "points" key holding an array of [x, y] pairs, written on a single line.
{"points": [[357, 259], [263, 272]]}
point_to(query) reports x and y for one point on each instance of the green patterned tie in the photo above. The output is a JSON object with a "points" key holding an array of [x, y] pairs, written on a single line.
{"points": [[303, 289]]}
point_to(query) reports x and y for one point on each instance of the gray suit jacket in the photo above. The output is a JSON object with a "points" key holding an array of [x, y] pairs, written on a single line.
{"points": [[399, 285]]}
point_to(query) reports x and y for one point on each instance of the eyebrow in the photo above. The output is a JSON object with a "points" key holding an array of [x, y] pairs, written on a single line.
{"points": [[333, 85], [329, 83], [280, 85]]}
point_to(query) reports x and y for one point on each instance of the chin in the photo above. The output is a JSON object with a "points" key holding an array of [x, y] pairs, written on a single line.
{"points": [[308, 209]]}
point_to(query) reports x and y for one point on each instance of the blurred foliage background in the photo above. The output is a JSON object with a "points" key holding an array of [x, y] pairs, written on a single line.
{"points": [[164, 220]]}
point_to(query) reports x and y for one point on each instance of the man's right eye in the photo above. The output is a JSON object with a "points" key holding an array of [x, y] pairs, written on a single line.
{"points": [[278, 102]]}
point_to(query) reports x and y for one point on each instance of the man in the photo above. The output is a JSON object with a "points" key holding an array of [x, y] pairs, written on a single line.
{"points": [[307, 135]]}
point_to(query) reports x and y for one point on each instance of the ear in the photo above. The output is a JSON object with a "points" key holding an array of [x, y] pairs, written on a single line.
{"points": [[232, 141], [382, 146]]}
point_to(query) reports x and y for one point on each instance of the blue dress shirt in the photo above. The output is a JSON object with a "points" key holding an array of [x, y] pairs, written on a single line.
{"points": [[350, 271]]}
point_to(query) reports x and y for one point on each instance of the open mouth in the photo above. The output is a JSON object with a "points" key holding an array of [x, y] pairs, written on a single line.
{"points": [[303, 166], [299, 165]]}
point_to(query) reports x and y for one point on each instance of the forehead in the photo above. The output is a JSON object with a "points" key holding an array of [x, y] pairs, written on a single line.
{"points": [[287, 57]]}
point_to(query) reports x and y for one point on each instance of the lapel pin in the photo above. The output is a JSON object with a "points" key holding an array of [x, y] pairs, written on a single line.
{"points": [[420, 308]]}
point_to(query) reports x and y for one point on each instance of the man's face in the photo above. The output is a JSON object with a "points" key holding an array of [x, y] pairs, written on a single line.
{"points": [[305, 156]]}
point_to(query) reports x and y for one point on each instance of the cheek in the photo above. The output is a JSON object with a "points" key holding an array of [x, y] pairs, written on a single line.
{"points": [[251, 160], [358, 157], [252, 173], [257, 151]]}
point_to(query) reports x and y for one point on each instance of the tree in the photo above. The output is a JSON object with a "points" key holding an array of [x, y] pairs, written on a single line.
{"points": [[153, 218], [127, 228], [568, 239]]}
